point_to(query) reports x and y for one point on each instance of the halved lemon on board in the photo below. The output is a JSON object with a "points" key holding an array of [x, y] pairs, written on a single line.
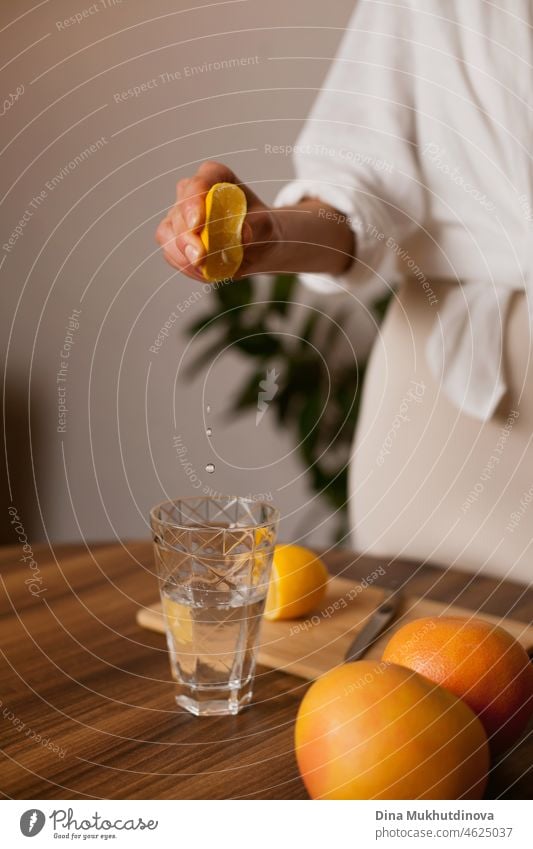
{"points": [[298, 583], [225, 211]]}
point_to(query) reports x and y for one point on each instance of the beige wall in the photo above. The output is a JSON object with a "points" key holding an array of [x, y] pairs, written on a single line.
{"points": [[89, 246]]}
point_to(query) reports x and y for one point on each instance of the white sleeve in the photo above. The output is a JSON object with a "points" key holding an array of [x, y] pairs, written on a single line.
{"points": [[356, 151]]}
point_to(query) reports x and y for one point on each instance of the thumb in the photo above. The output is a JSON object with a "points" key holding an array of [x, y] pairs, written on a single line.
{"points": [[216, 172]]}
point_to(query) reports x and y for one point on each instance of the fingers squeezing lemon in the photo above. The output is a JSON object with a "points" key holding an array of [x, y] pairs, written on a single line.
{"points": [[225, 211]]}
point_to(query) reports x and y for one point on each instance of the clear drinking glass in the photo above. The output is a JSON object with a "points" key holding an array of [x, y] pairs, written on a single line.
{"points": [[213, 558]]}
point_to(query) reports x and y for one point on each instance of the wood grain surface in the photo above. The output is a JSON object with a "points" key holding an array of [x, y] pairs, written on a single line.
{"points": [[86, 696], [310, 647]]}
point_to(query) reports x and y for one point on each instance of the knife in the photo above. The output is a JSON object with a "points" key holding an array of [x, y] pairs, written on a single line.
{"points": [[377, 623]]}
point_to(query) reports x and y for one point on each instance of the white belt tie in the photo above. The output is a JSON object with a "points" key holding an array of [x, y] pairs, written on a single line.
{"points": [[464, 349]]}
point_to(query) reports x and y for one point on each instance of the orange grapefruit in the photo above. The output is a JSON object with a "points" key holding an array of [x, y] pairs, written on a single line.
{"points": [[369, 730], [478, 662]]}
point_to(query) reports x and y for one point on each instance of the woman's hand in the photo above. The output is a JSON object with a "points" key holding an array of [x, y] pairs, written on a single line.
{"points": [[309, 237], [179, 232]]}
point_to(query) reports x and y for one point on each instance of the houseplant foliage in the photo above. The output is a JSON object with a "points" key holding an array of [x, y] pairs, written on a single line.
{"points": [[307, 353]]}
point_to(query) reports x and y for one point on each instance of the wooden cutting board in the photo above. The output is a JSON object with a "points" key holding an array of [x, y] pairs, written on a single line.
{"points": [[309, 647]]}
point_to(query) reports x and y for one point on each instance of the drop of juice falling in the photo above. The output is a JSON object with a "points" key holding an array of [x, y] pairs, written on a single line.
{"points": [[208, 408], [209, 431], [210, 468]]}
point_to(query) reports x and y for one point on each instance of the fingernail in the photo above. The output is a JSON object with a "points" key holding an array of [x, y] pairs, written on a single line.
{"points": [[192, 254], [192, 218]]}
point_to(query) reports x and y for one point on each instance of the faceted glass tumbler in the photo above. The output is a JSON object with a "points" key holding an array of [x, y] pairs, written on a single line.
{"points": [[213, 558]]}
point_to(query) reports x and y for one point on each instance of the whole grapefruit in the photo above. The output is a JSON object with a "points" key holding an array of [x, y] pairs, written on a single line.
{"points": [[370, 730], [477, 661]]}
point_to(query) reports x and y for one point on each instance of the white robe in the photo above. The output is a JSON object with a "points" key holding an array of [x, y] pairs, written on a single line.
{"points": [[422, 137]]}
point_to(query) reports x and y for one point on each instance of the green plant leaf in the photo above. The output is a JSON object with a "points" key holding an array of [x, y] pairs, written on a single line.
{"points": [[308, 328], [201, 324], [201, 359], [255, 342], [248, 395], [379, 307], [237, 321], [237, 293], [282, 293]]}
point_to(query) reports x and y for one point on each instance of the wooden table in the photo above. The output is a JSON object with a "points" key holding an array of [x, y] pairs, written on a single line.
{"points": [[79, 672]]}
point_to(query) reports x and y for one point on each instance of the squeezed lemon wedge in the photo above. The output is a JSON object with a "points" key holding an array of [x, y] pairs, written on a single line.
{"points": [[225, 211]]}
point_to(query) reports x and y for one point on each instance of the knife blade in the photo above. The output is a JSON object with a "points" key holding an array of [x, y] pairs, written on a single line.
{"points": [[377, 623]]}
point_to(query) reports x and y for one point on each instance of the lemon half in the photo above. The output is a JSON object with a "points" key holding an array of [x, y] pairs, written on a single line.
{"points": [[298, 583]]}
